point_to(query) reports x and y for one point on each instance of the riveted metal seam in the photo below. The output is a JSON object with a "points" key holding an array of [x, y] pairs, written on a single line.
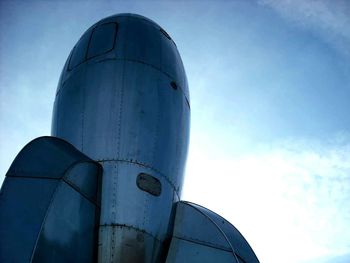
{"points": [[217, 226], [123, 59], [133, 227], [204, 243], [144, 63], [142, 165], [80, 192]]}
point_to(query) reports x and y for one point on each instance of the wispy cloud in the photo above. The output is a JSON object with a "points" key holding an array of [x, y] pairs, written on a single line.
{"points": [[329, 19], [296, 191]]}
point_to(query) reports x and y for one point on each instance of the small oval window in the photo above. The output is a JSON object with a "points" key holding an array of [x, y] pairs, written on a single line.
{"points": [[149, 184]]}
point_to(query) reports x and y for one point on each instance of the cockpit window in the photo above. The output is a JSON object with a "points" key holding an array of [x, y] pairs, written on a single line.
{"points": [[102, 39], [79, 51]]}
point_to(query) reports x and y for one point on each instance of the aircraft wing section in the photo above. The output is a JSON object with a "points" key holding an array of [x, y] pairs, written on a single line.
{"points": [[202, 236], [49, 204]]}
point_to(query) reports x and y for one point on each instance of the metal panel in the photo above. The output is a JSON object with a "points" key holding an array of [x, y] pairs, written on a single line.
{"points": [[123, 203], [171, 63], [183, 251], [102, 103], [172, 132], [139, 208], [127, 244], [82, 177], [32, 161], [202, 227], [69, 114], [236, 239], [192, 225], [127, 207], [149, 51], [68, 235], [139, 113], [23, 205], [49, 207]]}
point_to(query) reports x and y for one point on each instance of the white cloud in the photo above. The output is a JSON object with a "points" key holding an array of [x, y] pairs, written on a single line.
{"points": [[290, 198]]}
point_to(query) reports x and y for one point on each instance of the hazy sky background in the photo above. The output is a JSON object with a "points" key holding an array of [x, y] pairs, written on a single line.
{"points": [[270, 113]]}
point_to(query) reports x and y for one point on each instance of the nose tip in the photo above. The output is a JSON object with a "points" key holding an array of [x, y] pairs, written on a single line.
{"points": [[133, 38]]}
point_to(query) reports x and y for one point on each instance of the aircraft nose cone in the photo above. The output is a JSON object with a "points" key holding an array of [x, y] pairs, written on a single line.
{"points": [[123, 101]]}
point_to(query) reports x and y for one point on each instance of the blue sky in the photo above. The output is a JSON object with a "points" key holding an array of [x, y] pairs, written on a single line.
{"points": [[270, 125]]}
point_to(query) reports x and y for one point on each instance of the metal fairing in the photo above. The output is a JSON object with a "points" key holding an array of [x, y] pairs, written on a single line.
{"points": [[128, 108], [200, 235], [49, 205]]}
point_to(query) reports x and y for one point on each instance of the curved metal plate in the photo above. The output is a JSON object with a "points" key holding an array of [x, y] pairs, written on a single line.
{"points": [[186, 251], [49, 205], [204, 236], [237, 241]]}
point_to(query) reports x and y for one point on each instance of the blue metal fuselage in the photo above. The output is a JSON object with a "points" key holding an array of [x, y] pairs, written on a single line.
{"points": [[123, 100]]}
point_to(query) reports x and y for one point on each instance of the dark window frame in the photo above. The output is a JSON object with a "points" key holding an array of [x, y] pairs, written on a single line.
{"points": [[69, 68], [88, 46], [149, 183], [114, 40]]}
